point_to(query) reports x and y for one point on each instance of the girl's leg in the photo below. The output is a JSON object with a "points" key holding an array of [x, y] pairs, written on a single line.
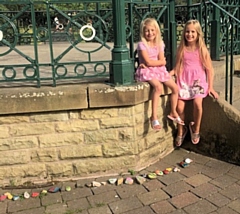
{"points": [[197, 118], [157, 90], [174, 97], [197, 114], [181, 132]]}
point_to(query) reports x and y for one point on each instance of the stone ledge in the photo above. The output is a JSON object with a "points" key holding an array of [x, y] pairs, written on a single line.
{"points": [[70, 97]]}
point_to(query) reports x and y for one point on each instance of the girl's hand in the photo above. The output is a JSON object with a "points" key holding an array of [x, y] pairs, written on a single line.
{"points": [[142, 66], [213, 93]]}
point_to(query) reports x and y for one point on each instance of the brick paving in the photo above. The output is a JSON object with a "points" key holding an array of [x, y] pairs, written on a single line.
{"points": [[206, 186]]}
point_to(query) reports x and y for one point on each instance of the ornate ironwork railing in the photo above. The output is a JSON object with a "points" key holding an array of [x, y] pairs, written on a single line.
{"points": [[54, 42], [55, 45]]}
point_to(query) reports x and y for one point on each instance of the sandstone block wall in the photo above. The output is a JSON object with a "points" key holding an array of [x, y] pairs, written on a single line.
{"points": [[49, 145]]}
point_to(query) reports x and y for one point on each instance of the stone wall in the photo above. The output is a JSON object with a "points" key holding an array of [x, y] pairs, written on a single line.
{"points": [[79, 131], [69, 134]]}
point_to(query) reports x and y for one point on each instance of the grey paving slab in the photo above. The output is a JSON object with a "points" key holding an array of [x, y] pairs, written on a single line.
{"points": [[131, 191], [177, 188], [100, 210], [193, 170], [224, 181], [205, 190], [218, 200], [103, 198], [142, 210], [20, 204], [51, 198], [79, 204], [232, 192], [153, 185], [226, 210], [163, 207], [197, 180], [235, 205], [57, 209], [152, 197], [170, 179], [125, 205], [178, 212], [184, 200], [200, 207], [76, 193], [39, 210]]}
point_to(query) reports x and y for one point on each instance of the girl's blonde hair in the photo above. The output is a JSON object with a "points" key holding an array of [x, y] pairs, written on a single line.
{"points": [[151, 21], [203, 52]]}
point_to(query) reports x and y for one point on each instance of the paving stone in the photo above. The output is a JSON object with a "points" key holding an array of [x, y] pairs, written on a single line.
{"points": [[177, 188], [152, 197], [226, 210], [213, 172], [26, 204], [51, 198], [100, 210], [224, 181], [131, 190], [125, 205], [67, 184], [235, 205], [217, 164], [232, 192], [193, 169], [174, 158], [57, 209], [234, 172], [205, 190], [183, 200], [197, 180], [218, 200], [39, 210], [171, 178], [76, 193], [201, 207], [153, 185], [178, 212], [103, 198], [162, 207], [160, 165], [106, 188], [82, 182], [3, 207], [143, 210], [79, 204], [197, 158]]}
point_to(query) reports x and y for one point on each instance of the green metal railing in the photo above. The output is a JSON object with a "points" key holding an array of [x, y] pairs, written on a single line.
{"points": [[96, 40]]}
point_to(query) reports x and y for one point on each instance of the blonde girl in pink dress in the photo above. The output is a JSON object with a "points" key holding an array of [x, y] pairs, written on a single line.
{"points": [[152, 69], [194, 77]]}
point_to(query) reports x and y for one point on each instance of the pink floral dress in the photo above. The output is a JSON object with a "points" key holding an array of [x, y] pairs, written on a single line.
{"points": [[192, 83], [159, 72]]}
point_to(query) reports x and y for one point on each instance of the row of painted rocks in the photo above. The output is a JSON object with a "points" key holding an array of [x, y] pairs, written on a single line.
{"points": [[139, 179], [27, 195]]}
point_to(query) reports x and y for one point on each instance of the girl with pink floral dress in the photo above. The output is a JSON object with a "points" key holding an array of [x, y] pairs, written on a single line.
{"points": [[152, 69], [194, 77]]}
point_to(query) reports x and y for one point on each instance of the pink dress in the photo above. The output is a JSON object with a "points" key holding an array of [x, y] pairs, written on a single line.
{"points": [[159, 72], [192, 83]]}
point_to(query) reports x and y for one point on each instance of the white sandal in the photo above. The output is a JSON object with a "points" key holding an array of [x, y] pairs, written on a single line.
{"points": [[155, 125], [179, 139]]}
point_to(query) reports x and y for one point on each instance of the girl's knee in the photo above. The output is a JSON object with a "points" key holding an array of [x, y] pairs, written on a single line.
{"points": [[158, 89]]}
